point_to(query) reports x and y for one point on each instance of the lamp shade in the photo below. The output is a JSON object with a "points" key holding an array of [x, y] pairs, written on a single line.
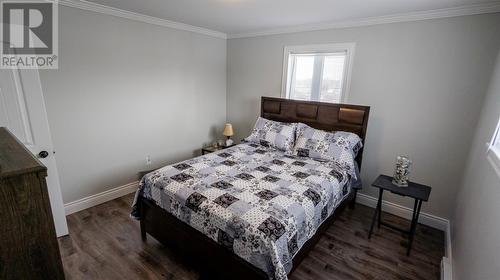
{"points": [[228, 130]]}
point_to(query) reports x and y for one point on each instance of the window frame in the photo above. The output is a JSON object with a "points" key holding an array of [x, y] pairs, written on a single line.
{"points": [[349, 48], [493, 153]]}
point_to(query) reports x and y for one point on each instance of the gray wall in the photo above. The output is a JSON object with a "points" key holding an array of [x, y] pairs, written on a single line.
{"points": [[476, 221], [125, 90], [425, 82]]}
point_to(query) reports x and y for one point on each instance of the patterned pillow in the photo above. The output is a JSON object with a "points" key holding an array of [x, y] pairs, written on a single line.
{"points": [[340, 146], [273, 134]]}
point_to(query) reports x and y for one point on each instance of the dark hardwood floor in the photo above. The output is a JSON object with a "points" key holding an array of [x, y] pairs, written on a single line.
{"points": [[105, 243]]}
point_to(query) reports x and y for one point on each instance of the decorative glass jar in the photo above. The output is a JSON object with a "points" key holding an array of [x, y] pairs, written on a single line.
{"points": [[401, 171]]}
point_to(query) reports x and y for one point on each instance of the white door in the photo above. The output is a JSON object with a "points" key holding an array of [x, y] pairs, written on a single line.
{"points": [[22, 111]]}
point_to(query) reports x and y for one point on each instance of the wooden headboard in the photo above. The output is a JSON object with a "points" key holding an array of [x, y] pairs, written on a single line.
{"points": [[320, 115]]}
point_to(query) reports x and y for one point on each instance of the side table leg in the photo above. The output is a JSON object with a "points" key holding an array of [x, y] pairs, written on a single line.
{"points": [[378, 209], [414, 222], [353, 202]]}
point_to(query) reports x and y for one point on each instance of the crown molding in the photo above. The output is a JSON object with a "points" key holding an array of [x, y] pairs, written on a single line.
{"points": [[486, 8], [98, 8]]}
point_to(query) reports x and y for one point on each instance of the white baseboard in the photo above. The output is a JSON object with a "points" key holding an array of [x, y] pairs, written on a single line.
{"points": [[96, 199], [447, 262], [446, 272]]}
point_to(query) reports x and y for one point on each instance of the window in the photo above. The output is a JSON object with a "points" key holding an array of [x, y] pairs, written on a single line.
{"points": [[317, 72], [494, 145], [494, 149]]}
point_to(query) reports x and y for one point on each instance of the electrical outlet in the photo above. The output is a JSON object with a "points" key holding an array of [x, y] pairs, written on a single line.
{"points": [[148, 160]]}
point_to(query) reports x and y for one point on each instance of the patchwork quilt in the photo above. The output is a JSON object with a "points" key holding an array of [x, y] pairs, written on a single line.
{"points": [[254, 200]]}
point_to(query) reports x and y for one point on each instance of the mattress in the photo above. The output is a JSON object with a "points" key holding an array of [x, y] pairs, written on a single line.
{"points": [[256, 201]]}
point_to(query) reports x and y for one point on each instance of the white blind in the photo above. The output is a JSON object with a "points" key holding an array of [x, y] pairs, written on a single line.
{"points": [[316, 76]]}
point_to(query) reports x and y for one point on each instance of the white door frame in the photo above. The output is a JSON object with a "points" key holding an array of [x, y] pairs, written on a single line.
{"points": [[37, 131]]}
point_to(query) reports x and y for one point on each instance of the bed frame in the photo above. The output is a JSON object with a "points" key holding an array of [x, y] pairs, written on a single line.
{"points": [[213, 260]]}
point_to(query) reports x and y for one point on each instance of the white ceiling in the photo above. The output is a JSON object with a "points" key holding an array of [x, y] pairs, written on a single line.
{"points": [[244, 16]]}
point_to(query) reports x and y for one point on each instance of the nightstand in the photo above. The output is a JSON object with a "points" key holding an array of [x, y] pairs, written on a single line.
{"points": [[211, 149], [416, 191]]}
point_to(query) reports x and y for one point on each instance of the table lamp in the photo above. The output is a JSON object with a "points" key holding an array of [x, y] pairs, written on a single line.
{"points": [[228, 132]]}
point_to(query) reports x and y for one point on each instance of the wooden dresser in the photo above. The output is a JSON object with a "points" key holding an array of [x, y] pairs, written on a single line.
{"points": [[28, 244]]}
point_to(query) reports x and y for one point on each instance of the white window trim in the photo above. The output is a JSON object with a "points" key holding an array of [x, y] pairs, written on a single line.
{"points": [[493, 153], [494, 159], [326, 48]]}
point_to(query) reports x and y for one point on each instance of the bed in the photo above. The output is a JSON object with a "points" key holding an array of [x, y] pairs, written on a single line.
{"points": [[252, 211]]}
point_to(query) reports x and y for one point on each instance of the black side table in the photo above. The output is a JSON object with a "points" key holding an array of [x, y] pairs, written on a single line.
{"points": [[416, 191], [211, 149]]}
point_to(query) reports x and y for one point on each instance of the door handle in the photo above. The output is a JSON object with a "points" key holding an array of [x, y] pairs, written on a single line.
{"points": [[43, 154]]}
